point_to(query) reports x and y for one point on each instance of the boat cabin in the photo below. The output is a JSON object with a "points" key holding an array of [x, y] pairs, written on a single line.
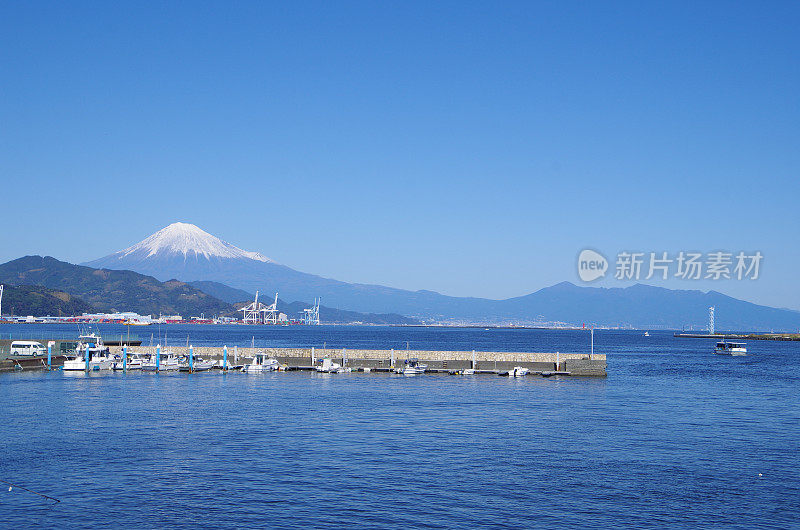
{"points": [[731, 348]]}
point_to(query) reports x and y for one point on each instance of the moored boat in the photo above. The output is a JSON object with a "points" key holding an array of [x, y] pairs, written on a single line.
{"points": [[412, 367], [197, 364], [330, 367], [261, 363], [90, 354], [168, 362], [135, 361]]}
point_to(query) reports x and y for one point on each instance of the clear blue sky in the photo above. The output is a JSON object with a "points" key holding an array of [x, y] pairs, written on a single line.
{"points": [[468, 148]]}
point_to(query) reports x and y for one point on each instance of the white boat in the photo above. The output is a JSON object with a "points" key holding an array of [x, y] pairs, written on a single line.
{"points": [[412, 367], [168, 362], [646, 333], [330, 367], [135, 361], [730, 348], [467, 371], [261, 364], [89, 347], [198, 364], [201, 365], [220, 365], [518, 371]]}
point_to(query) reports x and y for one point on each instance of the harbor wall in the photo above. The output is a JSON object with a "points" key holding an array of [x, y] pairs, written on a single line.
{"points": [[30, 363], [575, 363]]}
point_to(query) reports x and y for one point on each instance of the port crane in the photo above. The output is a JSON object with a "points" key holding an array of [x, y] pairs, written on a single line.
{"points": [[311, 314], [258, 313]]}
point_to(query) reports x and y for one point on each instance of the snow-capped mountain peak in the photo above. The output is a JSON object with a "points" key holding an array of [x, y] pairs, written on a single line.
{"points": [[188, 239]]}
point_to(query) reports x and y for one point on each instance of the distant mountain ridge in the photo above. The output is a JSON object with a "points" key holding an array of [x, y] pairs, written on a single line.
{"points": [[108, 290], [168, 254], [223, 292], [294, 309], [40, 286], [35, 300], [648, 306], [190, 254]]}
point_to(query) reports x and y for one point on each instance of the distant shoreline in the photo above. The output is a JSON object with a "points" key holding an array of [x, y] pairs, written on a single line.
{"points": [[741, 336]]}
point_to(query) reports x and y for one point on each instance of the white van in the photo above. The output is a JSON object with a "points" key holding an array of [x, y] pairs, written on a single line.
{"points": [[27, 348]]}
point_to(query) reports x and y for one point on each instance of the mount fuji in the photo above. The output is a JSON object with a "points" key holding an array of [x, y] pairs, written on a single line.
{"points": [[187, 240], [185, 252]]}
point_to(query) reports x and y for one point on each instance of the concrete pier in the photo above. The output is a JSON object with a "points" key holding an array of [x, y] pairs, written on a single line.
{"points": [[575, 364], [740, 336], [39, 362]]}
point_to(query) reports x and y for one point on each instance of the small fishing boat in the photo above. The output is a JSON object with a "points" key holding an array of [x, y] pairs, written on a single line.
{"points": [[261, 364], [518, 371], [135, 362], [89, 347], [646, 333], [168, 362], [99, 359], [730, 348], [202, 365], [330, 367], [466, 371], [220, 364], [198, 364], [412, 367]]}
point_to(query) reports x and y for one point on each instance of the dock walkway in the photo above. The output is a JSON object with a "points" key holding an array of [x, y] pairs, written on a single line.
{"points": [[437, 361]]}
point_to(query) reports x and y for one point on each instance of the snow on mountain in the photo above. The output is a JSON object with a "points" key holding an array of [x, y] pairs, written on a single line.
{"points": [[187, 253], [186, 239]]}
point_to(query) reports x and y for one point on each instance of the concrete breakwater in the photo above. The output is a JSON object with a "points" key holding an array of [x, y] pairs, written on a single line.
{"points": [[740, 336], [574, 363]]}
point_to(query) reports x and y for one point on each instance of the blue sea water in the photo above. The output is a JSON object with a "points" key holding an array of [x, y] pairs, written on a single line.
{"points": [[673, 437]]}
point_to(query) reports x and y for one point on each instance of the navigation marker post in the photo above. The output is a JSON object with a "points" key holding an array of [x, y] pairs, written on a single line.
{"points": [[125, 358], [158, 357], [225, 359], [191, 359], [49, 351]]}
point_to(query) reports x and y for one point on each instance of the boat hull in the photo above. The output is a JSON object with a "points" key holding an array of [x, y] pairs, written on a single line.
{"points": [[166, 367], [80, 366]]}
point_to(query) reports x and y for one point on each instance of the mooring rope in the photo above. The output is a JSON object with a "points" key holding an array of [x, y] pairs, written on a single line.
{"points": [[30, 491]]}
